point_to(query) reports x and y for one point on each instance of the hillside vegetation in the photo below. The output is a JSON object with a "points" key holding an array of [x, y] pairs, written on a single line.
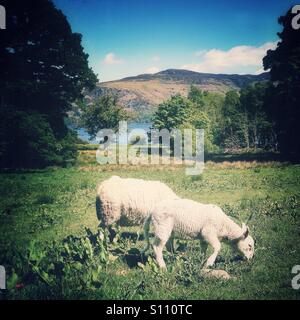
{"points": [[144, 92]]}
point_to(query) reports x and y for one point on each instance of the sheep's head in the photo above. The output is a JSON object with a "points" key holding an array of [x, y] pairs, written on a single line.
{"points": [[245, 243]]}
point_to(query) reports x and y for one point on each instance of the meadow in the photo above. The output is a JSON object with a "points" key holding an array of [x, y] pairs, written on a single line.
{"points": [[52, 247]]}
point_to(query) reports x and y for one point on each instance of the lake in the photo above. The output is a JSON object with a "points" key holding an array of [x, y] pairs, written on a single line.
{"points": [[83, 135]]}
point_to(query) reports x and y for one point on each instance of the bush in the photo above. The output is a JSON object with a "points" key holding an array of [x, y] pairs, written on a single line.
{"points": [[28, 141], [62, 268], [85, 147]]}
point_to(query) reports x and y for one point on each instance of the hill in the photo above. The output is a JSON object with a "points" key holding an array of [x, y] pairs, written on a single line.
{"points": [[143, 92]]}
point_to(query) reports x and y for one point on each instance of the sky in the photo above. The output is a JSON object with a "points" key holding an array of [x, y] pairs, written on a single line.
{"points": [[130, 37]]}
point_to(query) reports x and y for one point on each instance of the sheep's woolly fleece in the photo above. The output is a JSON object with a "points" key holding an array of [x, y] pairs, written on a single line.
{"points": [[133, 198], [189, 218]]}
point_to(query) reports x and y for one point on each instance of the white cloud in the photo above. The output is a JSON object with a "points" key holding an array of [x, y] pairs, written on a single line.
{"points": [[155, 58], [111, 58], [236, 60], [260, 70], [200, 53], [152, 70]]}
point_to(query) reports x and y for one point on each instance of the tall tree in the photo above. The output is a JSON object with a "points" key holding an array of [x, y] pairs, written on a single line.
{"points": [[233, 121], [256, 125], [173, 113], [43, 70], [182, 113], [196, 96], [104, 113], [284, 94]]}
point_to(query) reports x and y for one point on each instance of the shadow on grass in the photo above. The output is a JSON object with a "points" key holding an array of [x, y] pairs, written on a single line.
{"points": [[132, 236], [133, 257]]}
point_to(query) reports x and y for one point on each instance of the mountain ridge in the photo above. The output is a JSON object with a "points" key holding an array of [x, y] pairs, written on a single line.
{"points": [[142, 93], [181, 74]]}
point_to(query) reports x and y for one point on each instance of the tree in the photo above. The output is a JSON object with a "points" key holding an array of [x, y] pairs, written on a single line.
{"points": [[43, 71], [283, 96], [196, 96], [181, 113], [29, 139], [173, 113], [234, 122], [104, 113], [259, 128]]}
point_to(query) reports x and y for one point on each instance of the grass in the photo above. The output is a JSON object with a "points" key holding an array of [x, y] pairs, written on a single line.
{"points": [[48, 225]]}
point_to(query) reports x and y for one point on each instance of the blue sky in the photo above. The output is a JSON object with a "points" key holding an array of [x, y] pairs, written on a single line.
{"points": [[130, 37]]}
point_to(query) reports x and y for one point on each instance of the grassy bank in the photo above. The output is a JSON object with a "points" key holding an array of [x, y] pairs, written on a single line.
{"points": [[50, 246]]}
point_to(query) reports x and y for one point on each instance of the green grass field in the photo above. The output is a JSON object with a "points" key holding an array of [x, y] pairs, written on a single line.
{"points": [[50, 246]]}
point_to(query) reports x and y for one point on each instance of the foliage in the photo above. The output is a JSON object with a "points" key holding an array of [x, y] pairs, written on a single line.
{"points": [[284, 95], [184, 113], [235, 122], [172, 113], [43, 63], [66, 267], [196, 96], [244, 122], [258, 128], [87, 146], [232, 120], [104, 113], [43, 71], [29, 141]]}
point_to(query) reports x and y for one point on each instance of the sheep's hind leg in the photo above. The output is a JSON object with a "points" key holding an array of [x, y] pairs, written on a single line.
{"points": [[158, 247], [212, 239], [203, 245], [162, 230], [170, 245], [146, 235]]}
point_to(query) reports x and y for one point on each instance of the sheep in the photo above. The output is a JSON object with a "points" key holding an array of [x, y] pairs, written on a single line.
{"points": [[133, 199], [187, 218]]}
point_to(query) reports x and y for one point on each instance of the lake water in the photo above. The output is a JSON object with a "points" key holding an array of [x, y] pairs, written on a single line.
{"points": [[83, 135]]}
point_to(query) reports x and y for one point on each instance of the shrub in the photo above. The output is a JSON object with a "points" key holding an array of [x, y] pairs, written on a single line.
{"points": [[28, 141], [63, 268]]}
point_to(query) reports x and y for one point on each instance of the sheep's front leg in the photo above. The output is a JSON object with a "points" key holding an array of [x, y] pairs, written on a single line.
{"points": [[158, 247], [210, 237]]}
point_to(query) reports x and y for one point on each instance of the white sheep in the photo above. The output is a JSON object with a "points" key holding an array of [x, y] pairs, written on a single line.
{"points": [[187, 218], [131, 198]]}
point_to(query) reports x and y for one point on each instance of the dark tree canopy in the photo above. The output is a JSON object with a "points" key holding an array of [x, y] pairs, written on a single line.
{"points": [[283, 97], [43, 71], [43, 65]]}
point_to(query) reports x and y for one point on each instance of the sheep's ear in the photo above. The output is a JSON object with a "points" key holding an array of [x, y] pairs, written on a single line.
{"points": [[245, 230]]}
